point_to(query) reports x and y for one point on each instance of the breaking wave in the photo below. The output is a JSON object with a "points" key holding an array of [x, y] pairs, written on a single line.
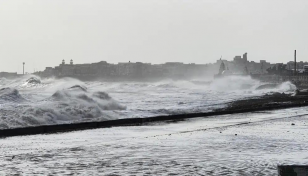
{"points": [[78, 95], [67, 105], [33, 80], [286, 87], [10, 95], [241, 83]]}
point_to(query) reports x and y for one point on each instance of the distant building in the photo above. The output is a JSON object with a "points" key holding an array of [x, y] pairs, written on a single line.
{"points": [[8, 75], [140, 71], [240, 60], [299, 65]]}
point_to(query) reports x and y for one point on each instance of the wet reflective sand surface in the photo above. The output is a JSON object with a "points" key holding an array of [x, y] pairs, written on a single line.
{"points": [[245, 144]]}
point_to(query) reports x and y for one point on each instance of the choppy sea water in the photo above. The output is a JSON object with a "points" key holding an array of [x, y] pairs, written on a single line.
{"points": [[32, 101], [242, 144]]}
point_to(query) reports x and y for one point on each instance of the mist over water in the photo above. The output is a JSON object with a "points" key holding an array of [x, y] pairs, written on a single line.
{"points": [[30, 100]]}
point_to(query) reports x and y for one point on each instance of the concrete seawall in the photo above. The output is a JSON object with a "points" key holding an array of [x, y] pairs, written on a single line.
{"points": [[128, 122], [289, 170]]}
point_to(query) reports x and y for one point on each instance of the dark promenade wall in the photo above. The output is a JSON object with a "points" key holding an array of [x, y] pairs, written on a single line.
{"points": [[290, 170], [130, 122]]}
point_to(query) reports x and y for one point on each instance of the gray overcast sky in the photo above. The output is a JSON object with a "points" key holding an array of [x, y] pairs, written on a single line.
{"points": [[43, 32]]}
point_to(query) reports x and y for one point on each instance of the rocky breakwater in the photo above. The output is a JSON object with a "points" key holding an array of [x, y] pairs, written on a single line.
{"points": [[269, 102]]}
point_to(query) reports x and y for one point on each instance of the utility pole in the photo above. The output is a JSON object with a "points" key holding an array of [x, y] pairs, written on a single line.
{"points": [[295, 62], [23, 68]]}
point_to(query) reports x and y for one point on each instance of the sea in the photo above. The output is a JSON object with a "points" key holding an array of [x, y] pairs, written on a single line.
{"points": [[242, 144], [32, 101]]}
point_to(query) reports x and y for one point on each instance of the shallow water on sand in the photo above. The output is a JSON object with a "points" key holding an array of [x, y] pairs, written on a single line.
{"points": [[242, 144]]}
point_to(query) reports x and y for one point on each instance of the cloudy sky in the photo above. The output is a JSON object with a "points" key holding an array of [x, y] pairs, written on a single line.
{"points": [[43, 32]]}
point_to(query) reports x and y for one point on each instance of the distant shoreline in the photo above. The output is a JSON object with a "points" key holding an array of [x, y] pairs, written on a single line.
{"points": [[263, 103]]}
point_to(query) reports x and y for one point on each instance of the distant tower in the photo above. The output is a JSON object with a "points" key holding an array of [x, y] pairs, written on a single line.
{"points": [[23, 68], [63, 62], [245, 57], [295, 62], [71, 62]]}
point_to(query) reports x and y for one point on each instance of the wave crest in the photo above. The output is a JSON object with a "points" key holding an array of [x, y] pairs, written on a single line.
{"points": [[10, 95]]}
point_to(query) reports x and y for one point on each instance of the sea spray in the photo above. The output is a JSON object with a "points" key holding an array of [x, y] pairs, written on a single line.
{"points": [[234, 83]]}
